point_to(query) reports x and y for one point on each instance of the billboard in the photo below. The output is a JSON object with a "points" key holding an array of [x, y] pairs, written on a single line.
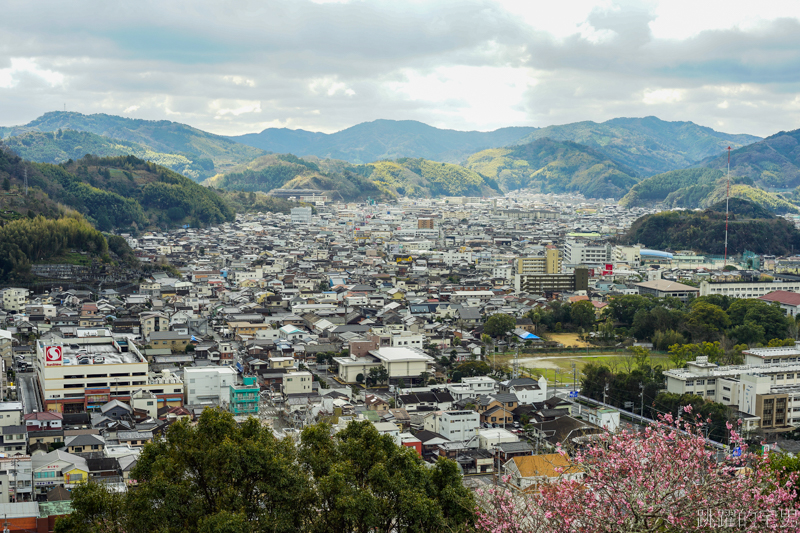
{"points": [[53, 355], [608, 269]]}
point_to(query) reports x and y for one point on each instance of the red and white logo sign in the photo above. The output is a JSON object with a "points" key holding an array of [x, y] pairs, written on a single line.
{"points": [[52, 355]]}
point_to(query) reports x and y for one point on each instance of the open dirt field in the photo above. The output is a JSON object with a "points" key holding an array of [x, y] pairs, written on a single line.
{"points": [[568, 339]]}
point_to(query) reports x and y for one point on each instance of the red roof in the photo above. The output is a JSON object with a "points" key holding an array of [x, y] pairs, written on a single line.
{"points": [[783, 297]]}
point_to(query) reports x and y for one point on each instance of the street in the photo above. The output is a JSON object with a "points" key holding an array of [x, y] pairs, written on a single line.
{"points": [[28, 392]]}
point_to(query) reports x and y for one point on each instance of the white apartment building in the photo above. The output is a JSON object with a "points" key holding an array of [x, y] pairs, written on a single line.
{"points": [[747, 289], [407, 339], [10, 414], [14, 299], [629, 255], [208, 385], [301, 215], [297, 383], [454, 425], [589, 254], [503, 271], [16, 479], [451, 258], [471, 298]]}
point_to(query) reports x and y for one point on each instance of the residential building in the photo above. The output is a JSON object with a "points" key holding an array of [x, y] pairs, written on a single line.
{"points": [[789, 301], [172, 340], [549, 263], [297, 383], [208, 385], [58, 468], [528, 471], [14, 299], [16, 479], [540, 283], [301, 215], [459, 425], [153, 322], [244, 397], [585, 253], [10, 413]]}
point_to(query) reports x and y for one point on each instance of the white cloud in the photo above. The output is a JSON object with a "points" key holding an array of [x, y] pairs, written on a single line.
{"points": [[239, 80], [220, 108], [662, 96], [21, 66], [463, 64]]}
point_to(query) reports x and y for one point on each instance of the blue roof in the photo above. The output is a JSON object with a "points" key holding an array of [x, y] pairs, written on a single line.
{"points": [[655, 253], [527, 336]]}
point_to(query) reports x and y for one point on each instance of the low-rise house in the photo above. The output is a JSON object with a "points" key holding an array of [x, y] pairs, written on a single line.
{"points": [[527, 472]]}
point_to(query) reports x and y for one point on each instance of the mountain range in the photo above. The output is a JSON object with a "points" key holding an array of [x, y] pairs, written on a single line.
{"points": [[207, 153], [387, 158]]}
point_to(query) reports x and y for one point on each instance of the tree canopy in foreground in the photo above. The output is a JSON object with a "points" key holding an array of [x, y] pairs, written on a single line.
{"points": [[218, 476]]}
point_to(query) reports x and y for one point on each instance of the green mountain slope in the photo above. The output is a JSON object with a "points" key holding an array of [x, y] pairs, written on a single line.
{"points": [[276, 171], [384, 140], [773, 163], [700, 187], [122, 193], [61, 146], [647, 145], [704, 231], [383, 179], [554, 166], [208, 153]]}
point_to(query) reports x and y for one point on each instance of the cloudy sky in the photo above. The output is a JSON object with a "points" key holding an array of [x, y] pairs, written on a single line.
{"points": [[241, 66]]}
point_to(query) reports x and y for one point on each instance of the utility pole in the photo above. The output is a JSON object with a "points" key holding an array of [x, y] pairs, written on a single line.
{"points": [[641, 395], [574, 377], [605, 390]]}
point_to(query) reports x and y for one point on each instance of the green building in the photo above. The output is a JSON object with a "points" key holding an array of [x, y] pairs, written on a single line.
{"points": [[244, 398]]}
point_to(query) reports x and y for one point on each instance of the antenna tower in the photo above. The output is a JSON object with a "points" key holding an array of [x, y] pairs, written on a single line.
{"points": [[727, 201]]}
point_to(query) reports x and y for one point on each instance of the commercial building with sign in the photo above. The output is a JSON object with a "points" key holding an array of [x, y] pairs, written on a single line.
{"points": [[83, 373]]}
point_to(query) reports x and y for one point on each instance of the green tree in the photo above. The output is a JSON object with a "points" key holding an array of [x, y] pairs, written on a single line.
{"points": [[377, 375], [499, 325], [583, 314], [706, 321], [364, 482], [6, 184]]}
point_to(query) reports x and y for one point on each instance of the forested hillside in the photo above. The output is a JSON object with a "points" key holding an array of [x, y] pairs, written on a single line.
{"points": [[773, 163], [287, 171], [646, 145], [701, 187], [25, 241], [120, 193], [704, 231], [208, 153], [554, 167], [61, 146], [381, 180]]}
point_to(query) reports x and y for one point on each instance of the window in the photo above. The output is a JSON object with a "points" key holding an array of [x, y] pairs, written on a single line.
{"points": [[711, 382], [690, 383], [701, 382], [728, 389], [725, 399], [710, 392]]}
